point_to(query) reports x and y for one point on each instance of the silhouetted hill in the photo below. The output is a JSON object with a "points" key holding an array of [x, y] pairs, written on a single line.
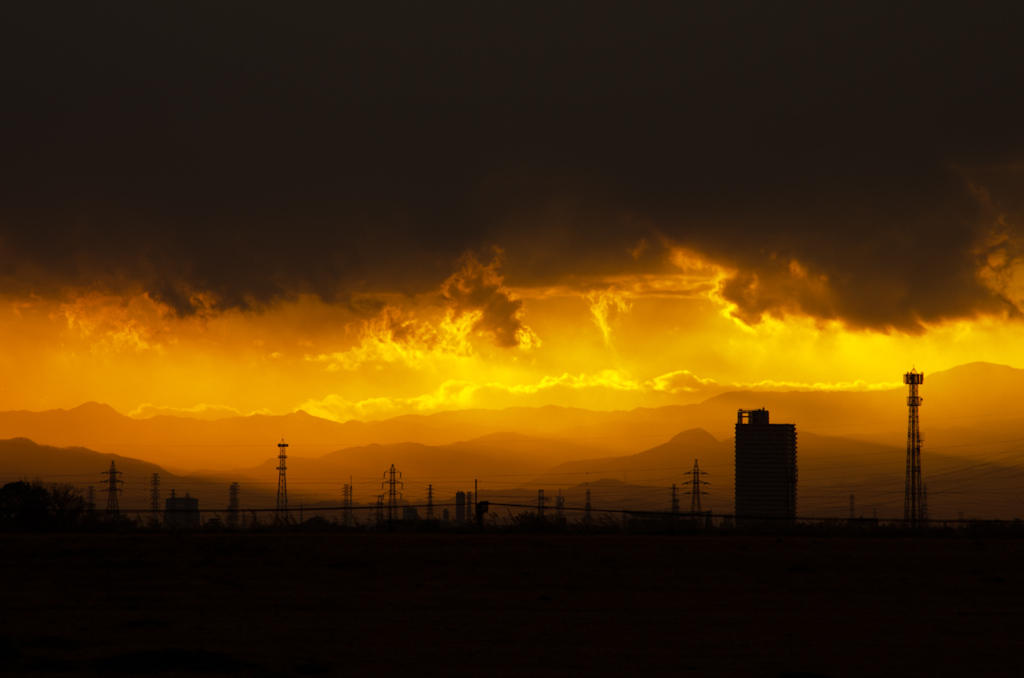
{"points": [[22, 458], [668, 460], [968, 411]]}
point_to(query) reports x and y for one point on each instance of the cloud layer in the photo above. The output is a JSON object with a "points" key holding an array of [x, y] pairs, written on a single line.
{"points": [[861, 164]]}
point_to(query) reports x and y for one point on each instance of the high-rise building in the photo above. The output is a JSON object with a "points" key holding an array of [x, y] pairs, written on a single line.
{"points": [[765, 467]]}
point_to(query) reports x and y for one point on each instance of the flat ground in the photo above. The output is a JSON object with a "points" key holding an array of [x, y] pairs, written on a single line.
{"points": [[485, 605]]}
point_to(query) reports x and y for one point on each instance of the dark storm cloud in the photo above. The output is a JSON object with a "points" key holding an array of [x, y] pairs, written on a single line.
{"points": [[256, 151], [479, 288]]}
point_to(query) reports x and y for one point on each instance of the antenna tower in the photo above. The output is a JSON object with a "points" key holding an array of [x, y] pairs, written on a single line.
{"points": [[540, 504], [913, 492], [233, 505], [112, 490], [393, 494], [695, 491], [430, 502], [282, 482]]}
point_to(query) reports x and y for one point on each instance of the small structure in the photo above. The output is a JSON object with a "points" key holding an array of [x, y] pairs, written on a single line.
{"points": [[181, 513]]}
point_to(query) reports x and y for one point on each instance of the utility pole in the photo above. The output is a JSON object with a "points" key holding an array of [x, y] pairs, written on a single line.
{"points": [[112, 490], [695, 490], [282, 483]]}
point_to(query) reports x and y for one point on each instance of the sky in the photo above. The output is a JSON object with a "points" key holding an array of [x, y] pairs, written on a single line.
{"points": [[369, 209]]}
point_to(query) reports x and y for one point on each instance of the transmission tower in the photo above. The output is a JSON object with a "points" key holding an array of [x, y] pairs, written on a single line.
{"points": [[380, 509], [154, 499], [540, 504], [154, 495], [559, 506], [233, 505], [695, 490], [430, 502], [346, 504], [391, 480], [91, 498], [112, 490], [282, 482], [675, 500], [913, 492], [587, 518]]}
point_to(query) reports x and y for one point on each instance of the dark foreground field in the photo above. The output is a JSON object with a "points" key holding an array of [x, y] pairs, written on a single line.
{"points": [[485, 605]]}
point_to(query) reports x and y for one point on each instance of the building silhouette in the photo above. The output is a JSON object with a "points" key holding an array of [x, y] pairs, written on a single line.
{"points": [[181, 513], [460, 507], [766, 470]]}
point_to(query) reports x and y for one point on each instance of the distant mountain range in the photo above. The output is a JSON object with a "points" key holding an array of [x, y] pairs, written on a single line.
{"points": [[849, 443]]}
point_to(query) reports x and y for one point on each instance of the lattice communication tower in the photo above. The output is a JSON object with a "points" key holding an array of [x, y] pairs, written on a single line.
{"points": [[913, 494], [282, 482]]}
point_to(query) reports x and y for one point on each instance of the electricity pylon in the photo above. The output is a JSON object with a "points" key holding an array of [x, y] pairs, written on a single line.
{"points": [[154, 498], [112, 490], [391, 480], [695, 490]]}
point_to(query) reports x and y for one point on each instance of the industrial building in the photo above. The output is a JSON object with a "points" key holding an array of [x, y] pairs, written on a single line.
{"points": [[766, 471], [181, 513]]}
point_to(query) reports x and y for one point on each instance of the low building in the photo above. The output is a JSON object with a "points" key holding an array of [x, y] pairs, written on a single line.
{"points": [[181, 513]]}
